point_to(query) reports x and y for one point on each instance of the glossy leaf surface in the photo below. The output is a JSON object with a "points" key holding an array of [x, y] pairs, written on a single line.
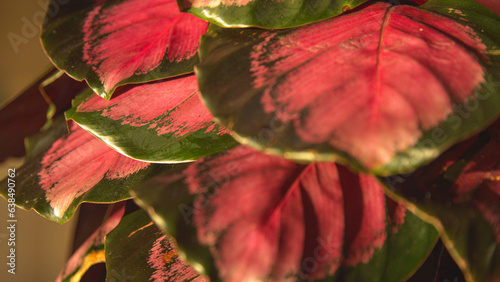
{"points": [[75, 168], [460, 193], [92, 250], [162, 121], [267, 14], [137, 250], [114, 42], [385, 88], [264, 217]]}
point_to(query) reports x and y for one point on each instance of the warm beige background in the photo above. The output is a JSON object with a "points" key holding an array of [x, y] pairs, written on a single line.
{"points": [[41, 245]]}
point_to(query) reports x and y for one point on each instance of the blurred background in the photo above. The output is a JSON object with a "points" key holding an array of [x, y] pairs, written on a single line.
{"points": [[42, 246]]}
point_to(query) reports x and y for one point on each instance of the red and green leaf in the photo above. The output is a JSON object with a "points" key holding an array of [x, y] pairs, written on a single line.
{"points": [[460, 193], [92, 250], [161, 121], [386, 88], [264, 217], [114, 42], [72, 169], [265, 13], [137, 250]]}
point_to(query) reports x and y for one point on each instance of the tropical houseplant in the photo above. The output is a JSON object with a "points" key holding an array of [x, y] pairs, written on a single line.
{"points": [[271, 140]]}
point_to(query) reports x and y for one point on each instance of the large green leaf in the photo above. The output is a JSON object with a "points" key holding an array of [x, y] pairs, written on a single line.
{"points": [[265, 13], [114, 42], [137, 250], [161, 121], [460, 194], [263, 217], [71, 169], [385, 88]]}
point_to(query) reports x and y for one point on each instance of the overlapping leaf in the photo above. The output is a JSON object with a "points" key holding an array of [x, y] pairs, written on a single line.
{"points": [[265, 13], [114, 42], [460, 193], [25, 115], [75, 168], [264, 217], [92, 250], [162, 121], [137, 250], [387, 87]]}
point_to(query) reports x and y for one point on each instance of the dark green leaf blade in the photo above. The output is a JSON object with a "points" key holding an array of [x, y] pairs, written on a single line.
{"points": [[137, 250], [162, 122], [115, 42], [350, 89], [266, 14], [459, 193]]}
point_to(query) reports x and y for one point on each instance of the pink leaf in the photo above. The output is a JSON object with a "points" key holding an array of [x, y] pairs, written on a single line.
{"points": [[134, 36], [76, 163], [268, 218]]}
